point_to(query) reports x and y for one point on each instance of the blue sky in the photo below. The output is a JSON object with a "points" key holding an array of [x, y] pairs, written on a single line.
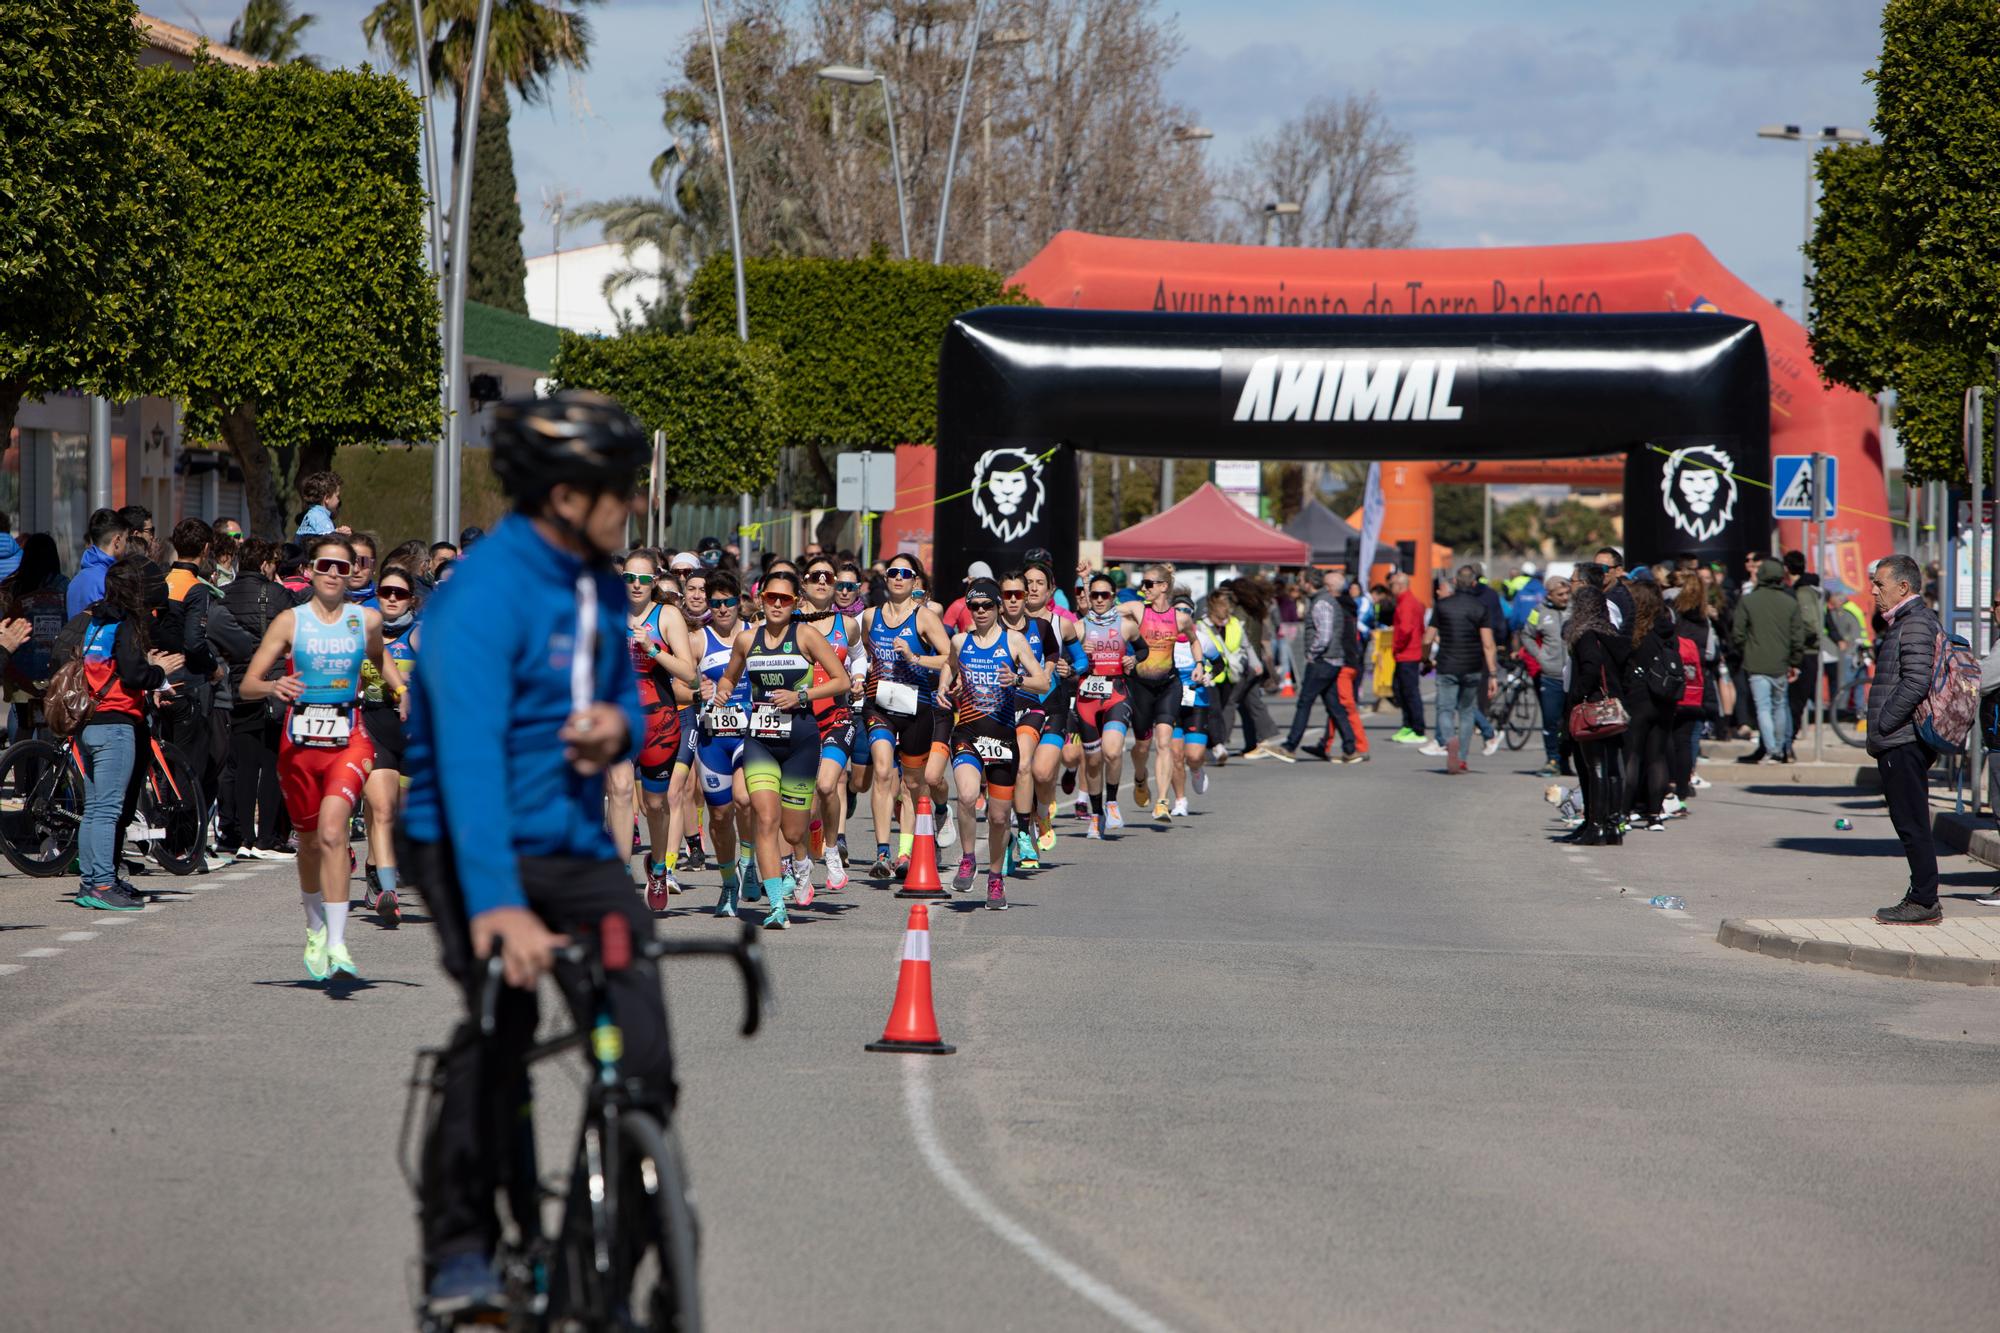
{"points": [[1531, 123]]}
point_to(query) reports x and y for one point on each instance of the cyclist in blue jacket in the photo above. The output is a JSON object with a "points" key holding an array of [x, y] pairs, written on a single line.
{"points": [[521, 699]]}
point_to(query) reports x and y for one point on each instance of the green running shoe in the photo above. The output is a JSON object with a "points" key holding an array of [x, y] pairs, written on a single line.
{"points": [[316, 954], [339, 960]]}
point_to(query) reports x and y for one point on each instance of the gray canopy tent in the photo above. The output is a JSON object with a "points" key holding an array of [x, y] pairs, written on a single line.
{"points": [[1329, 536]]}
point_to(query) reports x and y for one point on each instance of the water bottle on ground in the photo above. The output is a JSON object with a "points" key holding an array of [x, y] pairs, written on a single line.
{"points": [[1667, 902]]}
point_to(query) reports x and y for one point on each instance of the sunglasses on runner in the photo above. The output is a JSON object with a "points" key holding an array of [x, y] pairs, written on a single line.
{"points": [[779, 600], [1101, 595], [1150, 583], [847, 587], [386, 594], [640, 580], [327, 564], [724, 601], [981, 605], [819, 576], [667, 593], [899, 572], [1012, 594]]}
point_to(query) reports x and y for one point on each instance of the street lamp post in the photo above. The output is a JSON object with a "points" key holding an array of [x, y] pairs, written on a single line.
{"points": [[434, 214], [997, 38], [860, 77], [735, 233], [1826, 137], [957, 128], [1275, 210], [461, 251]]}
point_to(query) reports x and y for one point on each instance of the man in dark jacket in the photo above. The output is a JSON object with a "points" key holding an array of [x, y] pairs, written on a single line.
{"points": [[1773, 638], [235, 627], [1905, 656]]}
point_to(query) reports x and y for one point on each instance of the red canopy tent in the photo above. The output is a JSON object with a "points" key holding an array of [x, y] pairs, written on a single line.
{"points": [[1207, 528]]}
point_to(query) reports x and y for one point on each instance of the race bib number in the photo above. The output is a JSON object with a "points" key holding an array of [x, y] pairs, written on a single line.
{"points": [[1183, 654], [992, 749], [1095, 687], [898, 697], [726, 721], [1187, 696], [321, 726], [770, 724]]}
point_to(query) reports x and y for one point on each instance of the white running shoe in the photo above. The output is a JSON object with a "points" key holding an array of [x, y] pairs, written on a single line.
{"points": [[1180, 808], [836, 869], [1200, 787], [1698, 782], [1113, 818], [947, 833], [1431, 748], [1492, 745]]}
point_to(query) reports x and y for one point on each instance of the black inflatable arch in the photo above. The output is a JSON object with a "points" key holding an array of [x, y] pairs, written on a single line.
{"points": [[1684, 396]]}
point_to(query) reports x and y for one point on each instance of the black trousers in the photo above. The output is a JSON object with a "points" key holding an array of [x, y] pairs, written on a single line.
{"points": [[1680, 754], [1800, 693], [1601, 765], [1321, 686], [1645, 757], [1408, 685], [253, 740], [485, 1085], [1905, 773]]}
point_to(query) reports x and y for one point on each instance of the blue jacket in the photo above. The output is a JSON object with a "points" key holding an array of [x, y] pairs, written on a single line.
{"points": [[10, 555], [318, 521], [491, 693], [88, 585]]}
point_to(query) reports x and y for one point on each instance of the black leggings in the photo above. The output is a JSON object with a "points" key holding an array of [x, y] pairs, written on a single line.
{"points": [[485, 1086], [1601, 764], [253, 739], [1646, 760], [1680, 755]]}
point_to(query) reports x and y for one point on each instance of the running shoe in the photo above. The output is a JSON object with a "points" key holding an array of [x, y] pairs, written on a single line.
{"points": [[1142, 792], [389, 909], [111, 898], [777, 920], [1160, 815], [316, 954], [1492, 745], [1908, 913], [1094, 832], [996, 894], [1698, 782], [217, 859], [1283, 754], [901, 870], [339, 960], [1548, 770], [1356, 758], [656, 890], [836, 869], [1989, 899], [370, 893], [962, 881], [1407, 737], [1114, 818], [804, 896], [1047, 841], [1181, 808], [694, 858], [1431, 748], [882, 869], [1068, 782], [1655, 824], [818, 839], [726, 904], [746, 875], [269, 854], [1200, 785], [1082, 808], [979, 808], [947, 833]]}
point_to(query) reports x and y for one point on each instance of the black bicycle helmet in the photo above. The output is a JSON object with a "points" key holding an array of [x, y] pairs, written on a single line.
{"points": [[571, 438]]}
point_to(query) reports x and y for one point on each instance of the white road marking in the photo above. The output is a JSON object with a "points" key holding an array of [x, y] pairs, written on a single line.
{"points": [[1579, 859], [112, 921], [923, 1127], [6, 968], [77, 936], [40, 953]]}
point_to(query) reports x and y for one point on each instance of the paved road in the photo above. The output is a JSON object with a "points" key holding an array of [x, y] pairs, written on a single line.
{"points": [[1355, 1048]]}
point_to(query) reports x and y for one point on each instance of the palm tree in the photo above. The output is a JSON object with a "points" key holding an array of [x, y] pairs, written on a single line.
{"points": [[270, 31], [527, 44]]}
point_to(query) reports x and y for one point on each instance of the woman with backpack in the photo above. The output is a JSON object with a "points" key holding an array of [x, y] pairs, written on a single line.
{"points": [[1652, 689], [120, 670], [1701, 694], [1597, 656]]}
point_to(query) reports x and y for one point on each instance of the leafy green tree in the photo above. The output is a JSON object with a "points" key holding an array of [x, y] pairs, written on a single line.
{"points": [[1578, 529], [1517, 528], [716, 398], [308, 319], [1458, 517], [270, 31], [91, 204], [496, 273]]}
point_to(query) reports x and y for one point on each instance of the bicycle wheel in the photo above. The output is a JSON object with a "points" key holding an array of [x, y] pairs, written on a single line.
{"points": [[170, 801], [41, 807], [1849, 712], [1524, 716], [666, 1289]]}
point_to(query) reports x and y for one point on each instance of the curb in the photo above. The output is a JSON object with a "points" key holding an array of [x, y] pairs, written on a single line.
{"points": [[1978, 839], [1739, 934], [1732, 774]]}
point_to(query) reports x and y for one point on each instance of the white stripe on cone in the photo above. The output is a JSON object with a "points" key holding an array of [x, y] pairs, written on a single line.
{"points": [[916, 946]]}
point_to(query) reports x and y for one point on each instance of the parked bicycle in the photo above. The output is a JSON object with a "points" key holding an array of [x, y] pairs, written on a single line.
{"points": [[41, 808], [623, 1251], [1517, 707], [1847, 705]]}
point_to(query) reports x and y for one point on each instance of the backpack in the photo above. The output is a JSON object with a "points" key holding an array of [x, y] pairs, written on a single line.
{"points": [[1691, 693], [1944, 718], [69, 700], [1660, 674]]}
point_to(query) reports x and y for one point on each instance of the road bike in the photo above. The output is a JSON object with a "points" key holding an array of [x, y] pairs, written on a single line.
{"points": [[1517, 706], [622, 1254], [1847, 703], [41, 807]]}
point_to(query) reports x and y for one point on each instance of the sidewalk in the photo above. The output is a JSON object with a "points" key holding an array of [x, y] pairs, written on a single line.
{"points": [[1960, 949]]}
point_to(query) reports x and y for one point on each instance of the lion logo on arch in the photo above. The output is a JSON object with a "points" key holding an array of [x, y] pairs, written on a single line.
{"points": [[1698, 490], [1007, 492]]}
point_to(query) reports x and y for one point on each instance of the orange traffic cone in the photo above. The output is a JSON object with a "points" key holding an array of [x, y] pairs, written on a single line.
{"points": [[913, 1028], [921, 880]]}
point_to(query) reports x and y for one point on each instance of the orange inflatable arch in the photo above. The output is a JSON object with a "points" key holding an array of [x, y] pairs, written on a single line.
{"points": [[1670, 273]]}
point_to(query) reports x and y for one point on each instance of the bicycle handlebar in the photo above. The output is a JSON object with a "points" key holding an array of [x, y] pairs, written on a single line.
{"points": [[746, 949]]}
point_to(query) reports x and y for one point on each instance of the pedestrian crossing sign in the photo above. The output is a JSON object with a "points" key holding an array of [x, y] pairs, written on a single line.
{"points": [[1792, 484]]}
